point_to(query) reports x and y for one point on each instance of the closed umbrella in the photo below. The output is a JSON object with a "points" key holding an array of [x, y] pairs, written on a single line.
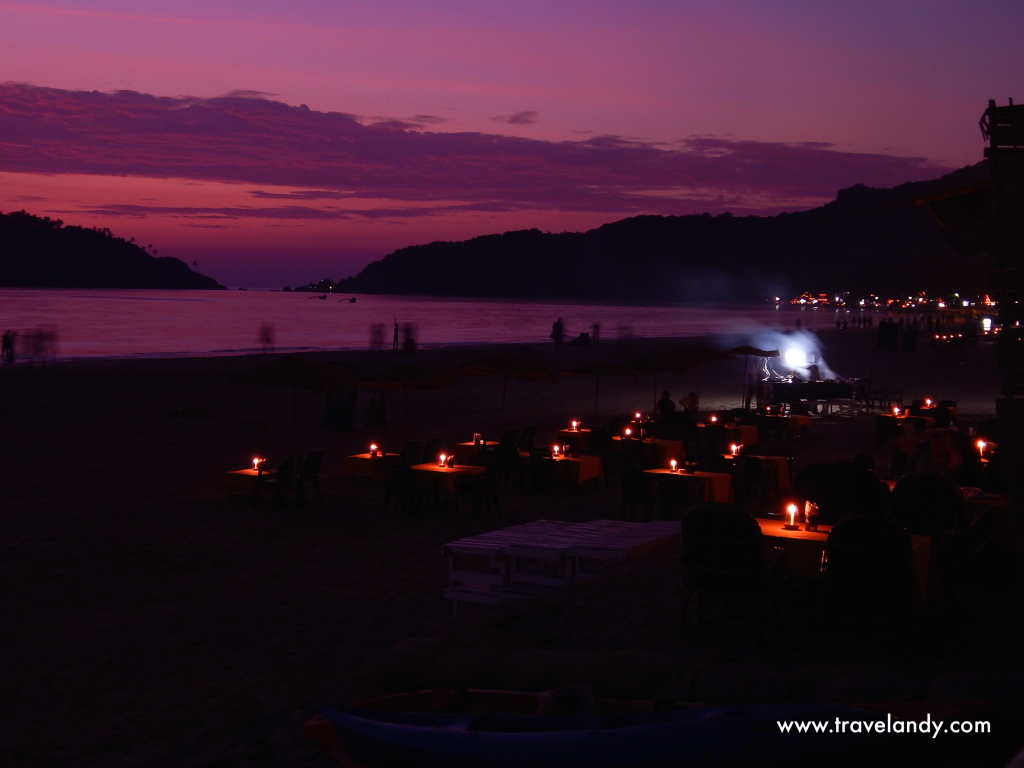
{"points": [[406, 377], [597, 370], [298, 373], [505, 366]]}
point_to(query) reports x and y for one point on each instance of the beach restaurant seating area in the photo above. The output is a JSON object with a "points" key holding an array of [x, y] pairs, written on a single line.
{"points": [[740, 465]]}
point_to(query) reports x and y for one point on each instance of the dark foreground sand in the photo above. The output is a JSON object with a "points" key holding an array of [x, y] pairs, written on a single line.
{"points": [[148, 620]]}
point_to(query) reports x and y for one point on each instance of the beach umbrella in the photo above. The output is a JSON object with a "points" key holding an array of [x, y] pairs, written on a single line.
{"points": [[748, 351], [505, 366], [406, 377], [298, 373], [597, 370]]}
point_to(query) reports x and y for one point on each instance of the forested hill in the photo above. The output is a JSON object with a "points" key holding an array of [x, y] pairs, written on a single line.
{"points": [[39, 252], [866, 240]]}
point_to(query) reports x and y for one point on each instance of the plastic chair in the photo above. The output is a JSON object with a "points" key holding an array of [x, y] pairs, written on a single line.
{"points": [[310, 473], [723, 558], [636, 490], [676, 494], [526, 438], [285, 481], [869, 573]]}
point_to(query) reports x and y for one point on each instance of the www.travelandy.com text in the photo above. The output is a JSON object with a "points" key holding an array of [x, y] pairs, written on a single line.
{"points": [[889, 725]]}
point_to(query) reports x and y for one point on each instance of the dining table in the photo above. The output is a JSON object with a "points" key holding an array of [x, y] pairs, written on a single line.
{"points": [[741, 434], [664, 450], [804, 554], [465, 451], [243, 481], [446, 478], [368, 465], [717, 485], [583, 469], [792, 424]]}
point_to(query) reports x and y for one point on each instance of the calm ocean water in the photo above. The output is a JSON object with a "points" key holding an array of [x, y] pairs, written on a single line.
{"points": [[127, 323]]}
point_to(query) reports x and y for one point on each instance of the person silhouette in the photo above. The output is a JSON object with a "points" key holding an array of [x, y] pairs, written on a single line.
{"points": [[558, 332]]}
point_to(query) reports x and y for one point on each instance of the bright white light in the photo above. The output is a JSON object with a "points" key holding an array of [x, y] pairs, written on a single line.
{"points": [[967, 303], [986, 323], [796, 358]]}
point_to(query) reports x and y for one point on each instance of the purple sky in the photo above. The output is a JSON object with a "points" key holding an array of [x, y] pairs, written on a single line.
{"points": [[277, 143]]}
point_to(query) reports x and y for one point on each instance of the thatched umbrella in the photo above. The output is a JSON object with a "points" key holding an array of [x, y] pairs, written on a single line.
{"points": [[406, 377], [748, 351], [298, 373], [680, 360], [597, 370], [505, 366]]}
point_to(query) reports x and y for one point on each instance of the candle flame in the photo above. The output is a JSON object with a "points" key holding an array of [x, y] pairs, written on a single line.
{"points": [[673, 464], [628, 431], [714, 418]]}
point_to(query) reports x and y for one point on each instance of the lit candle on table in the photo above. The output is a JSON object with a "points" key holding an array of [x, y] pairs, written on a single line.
{"points": [[256, 463], [927, 403], [713, 418], [373, 449], [895, 410], [791, 512], [672, 464], [554, 450], [734, 448], [628, 432], [440, 461], [575, 426]]}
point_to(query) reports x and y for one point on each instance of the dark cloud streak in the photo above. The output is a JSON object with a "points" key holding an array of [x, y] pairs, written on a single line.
{"points": [[332, 155]]}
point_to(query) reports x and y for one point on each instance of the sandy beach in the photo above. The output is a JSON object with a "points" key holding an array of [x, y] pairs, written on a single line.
{"points": [[150, 620]]}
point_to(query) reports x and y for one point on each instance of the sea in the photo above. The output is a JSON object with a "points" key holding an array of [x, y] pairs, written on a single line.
{"points": [[70, 324]]}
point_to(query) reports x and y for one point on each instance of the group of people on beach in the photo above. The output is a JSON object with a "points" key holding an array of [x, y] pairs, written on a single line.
{"points": [[585, 339]]}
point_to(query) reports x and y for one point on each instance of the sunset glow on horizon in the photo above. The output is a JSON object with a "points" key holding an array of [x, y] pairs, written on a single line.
{"points": [[275, 145]]}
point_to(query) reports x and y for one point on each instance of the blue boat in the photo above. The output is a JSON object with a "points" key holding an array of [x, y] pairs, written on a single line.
{"points": [[504, 729]]}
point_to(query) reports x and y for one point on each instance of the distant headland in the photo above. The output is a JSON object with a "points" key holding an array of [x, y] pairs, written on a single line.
{"points": [[40, 252], [866, 241]]}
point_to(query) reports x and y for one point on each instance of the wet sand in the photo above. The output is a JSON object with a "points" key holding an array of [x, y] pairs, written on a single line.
{"points": [[149, 620]]}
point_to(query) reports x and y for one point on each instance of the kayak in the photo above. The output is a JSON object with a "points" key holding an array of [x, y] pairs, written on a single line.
{"points": [[452, 728]]}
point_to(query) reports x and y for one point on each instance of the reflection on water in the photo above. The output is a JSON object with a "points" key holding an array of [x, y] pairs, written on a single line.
{"points": [[110, 323]]}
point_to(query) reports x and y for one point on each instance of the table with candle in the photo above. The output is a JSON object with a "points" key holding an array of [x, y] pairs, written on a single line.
{"points": [[244, 480], [717, 485], [893, 424], [466, 451], [577, 437], [742, 434], [582, 469], [660, 450], [792, 424], [372, 464], [444, 477], [804, 553]]}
